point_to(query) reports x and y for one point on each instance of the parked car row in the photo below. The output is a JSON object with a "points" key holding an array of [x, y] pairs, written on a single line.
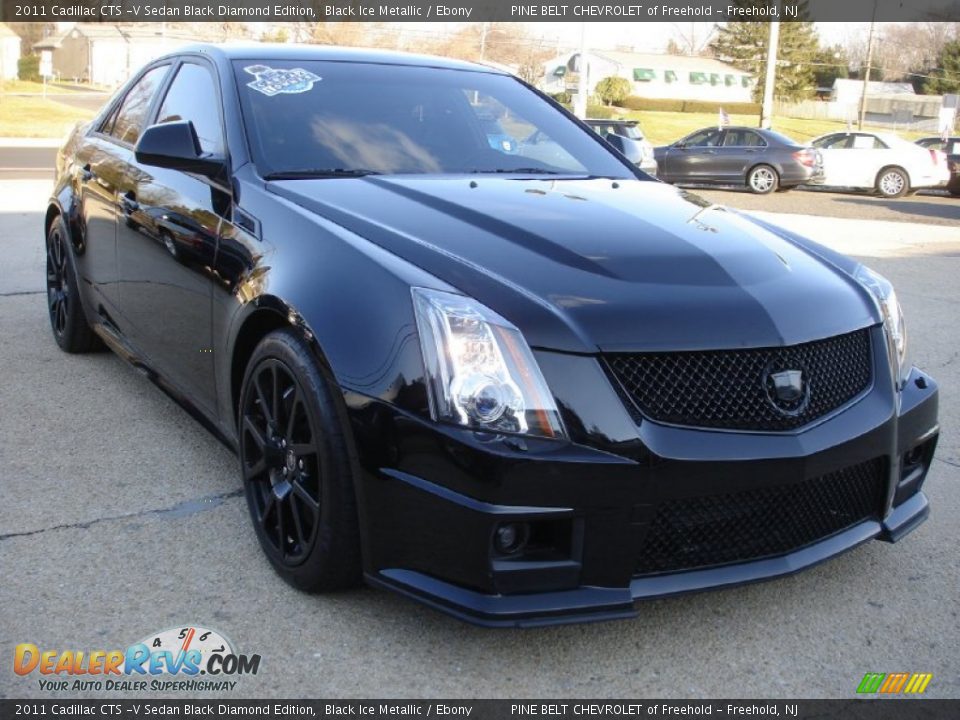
{"points": [[766, 161]]}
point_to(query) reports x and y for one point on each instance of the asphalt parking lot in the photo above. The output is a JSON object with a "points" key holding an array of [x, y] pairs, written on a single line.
{"points": [[120, 516]]}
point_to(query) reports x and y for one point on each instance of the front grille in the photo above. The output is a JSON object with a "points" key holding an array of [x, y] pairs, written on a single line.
{"points": [[733, 389], [737, 527]]}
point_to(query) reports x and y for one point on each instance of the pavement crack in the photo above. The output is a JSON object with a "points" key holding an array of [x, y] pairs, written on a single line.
{"points": [[952, 463], [16, 293], [183, 509]]}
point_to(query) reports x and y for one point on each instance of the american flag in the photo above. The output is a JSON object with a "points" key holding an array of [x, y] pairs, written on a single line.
{"points": [[724, 119]]}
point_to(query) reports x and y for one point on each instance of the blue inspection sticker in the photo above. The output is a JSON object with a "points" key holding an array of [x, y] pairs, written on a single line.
{"points": [[273, 81]]}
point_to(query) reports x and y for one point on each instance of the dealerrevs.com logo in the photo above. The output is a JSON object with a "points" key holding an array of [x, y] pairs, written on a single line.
{"points": [[187, 659], [895, 683]]}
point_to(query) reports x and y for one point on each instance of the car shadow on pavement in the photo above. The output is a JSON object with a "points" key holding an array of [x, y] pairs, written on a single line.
{"points": [[910, 206]]}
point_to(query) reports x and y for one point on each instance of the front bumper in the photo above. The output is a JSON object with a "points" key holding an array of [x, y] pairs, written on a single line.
{"points": [[433, 497]]}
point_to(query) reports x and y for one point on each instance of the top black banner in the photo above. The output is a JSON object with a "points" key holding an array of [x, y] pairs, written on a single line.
{"points": [[122, 11]]}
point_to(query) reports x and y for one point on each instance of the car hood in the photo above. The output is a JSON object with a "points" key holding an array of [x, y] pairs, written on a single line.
{"points": [[582, 265]]}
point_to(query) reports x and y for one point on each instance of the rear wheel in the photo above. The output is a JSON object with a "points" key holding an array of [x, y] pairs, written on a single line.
{"points": [[296, 468], [70, 328], [763, 179], [892, 182]]}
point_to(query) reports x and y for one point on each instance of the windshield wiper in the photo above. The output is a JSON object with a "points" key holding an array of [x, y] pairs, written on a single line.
{"points": [[313, 173], [521, 171]]}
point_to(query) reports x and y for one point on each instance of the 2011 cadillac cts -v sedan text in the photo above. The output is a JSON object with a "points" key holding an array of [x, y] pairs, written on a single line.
{"points": [[523, 387]]}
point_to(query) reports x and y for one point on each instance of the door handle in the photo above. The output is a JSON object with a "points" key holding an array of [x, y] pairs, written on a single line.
{"points": [[86, 173], [128, 201]]}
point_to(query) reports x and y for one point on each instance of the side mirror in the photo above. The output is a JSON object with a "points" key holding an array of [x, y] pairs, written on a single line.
{"points": [[679, 145], [175, 145]]}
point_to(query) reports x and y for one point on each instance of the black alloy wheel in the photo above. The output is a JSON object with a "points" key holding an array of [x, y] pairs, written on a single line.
{"points": [[295, 467], [58, 284], [70, 328], [281, 462]]}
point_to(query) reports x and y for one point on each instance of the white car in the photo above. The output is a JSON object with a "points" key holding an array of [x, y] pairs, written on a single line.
{"points": [[880, 161]]}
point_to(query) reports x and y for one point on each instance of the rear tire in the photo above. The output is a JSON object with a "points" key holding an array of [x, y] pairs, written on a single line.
{"points": [[892, 182], [296, 467], [763, 180], [70, 327]]}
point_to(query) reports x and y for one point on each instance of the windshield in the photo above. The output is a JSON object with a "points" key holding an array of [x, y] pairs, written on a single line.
{"points": [[323, 118]]}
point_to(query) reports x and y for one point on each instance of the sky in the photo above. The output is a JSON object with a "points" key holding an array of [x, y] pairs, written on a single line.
{"points": [[649, 36], [652, 37]]}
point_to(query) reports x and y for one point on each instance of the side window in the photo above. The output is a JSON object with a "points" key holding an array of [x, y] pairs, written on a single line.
{"points": [[705, 138], [752, 139], [192, 96], [832, 142], [107, 124], [867, 142], [133, 110]]}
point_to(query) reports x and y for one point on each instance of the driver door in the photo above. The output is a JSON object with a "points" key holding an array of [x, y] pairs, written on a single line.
{"points": [[693, 159], [169, 225]]}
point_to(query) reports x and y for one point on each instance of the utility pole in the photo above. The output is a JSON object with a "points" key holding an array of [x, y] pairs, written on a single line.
{"points": [[766, 109], [866, 74], [580, 104], [483, 40]]}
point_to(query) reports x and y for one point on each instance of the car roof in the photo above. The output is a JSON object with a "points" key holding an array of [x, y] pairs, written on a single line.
{"points": [[604, 121], [286, 52], [732, 127], [888, 136]]}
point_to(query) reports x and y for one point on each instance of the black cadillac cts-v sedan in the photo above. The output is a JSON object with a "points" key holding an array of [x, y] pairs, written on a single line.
{"points": [[522, 387]]}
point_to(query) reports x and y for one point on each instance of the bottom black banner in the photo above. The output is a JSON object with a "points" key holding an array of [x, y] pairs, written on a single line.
{"points": [[892, 709]]}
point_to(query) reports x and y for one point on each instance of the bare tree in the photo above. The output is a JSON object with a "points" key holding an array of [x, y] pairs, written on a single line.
{"points": [[902, 49], [691, 39], [30, 33]]}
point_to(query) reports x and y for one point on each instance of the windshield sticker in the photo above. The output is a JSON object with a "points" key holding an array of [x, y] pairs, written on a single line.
{"points": [[273, 81]]}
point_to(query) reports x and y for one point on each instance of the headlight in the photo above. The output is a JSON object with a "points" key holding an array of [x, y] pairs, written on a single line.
{"points": [[893, 323], [480, 371]]}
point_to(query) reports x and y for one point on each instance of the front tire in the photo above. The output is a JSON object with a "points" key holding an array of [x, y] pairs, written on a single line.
{"points": [[70, 327], [892, 182], [296, 467], [763, 180]]}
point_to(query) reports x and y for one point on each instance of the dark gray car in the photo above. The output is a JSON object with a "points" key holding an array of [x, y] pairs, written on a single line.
{"points": [[763, 160]]}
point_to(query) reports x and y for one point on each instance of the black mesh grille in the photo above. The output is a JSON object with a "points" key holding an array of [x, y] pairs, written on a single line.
{"points": [[737, 527], [733, 388]]}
